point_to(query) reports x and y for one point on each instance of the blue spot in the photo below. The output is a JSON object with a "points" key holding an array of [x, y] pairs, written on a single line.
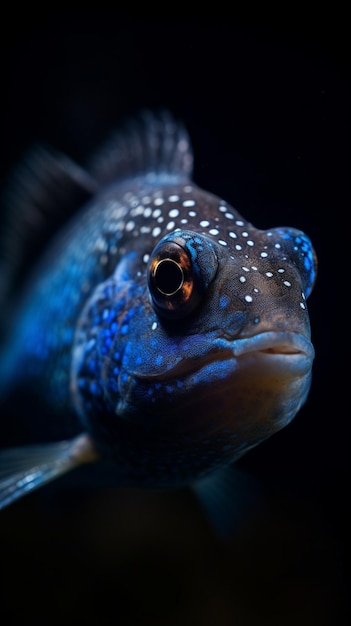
{"points": [[224, 301], [94, 389], [92, 366], [159, 359]]}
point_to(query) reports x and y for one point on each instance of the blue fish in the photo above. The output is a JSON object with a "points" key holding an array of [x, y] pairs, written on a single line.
{"points": [[154, 331]]}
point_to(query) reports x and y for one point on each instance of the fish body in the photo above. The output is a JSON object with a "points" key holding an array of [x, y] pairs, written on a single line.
{"points": [[160, 329]]}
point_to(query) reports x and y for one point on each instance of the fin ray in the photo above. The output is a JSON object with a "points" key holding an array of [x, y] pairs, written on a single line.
{"points": [[26, 468], [151, 144], [43, 191]]}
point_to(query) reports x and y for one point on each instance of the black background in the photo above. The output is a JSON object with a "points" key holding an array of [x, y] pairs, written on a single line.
{"points": [[266, 103]]}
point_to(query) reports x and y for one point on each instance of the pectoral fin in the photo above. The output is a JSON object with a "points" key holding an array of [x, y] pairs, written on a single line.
{"points": [[229, 497], [29, 467]]}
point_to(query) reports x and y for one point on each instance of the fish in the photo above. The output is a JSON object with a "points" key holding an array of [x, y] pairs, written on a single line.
{"points": [[154, 330]]}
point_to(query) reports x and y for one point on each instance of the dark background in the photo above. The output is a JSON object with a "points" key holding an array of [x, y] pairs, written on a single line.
{"points": [[267, 105]]}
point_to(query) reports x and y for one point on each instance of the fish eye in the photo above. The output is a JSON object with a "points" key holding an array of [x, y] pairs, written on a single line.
{"points": [[168, 277], [179, 273]]}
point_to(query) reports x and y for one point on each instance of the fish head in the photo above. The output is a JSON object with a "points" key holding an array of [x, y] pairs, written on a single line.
{"points": [[211, 342]]}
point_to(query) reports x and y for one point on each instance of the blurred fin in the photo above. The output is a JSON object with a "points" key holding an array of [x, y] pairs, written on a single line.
{"points": [[229, 497], [26, 468], [154, 144], [42, 192]]}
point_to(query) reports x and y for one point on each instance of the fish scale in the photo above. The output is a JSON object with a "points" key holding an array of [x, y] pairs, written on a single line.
{"points": [[159, 329]]}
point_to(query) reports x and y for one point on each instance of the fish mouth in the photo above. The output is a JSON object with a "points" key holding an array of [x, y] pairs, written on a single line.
{"points": [[286, 354], [253, 385]]}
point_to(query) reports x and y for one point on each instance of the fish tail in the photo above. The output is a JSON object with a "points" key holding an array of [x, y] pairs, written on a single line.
{"points": [[26, 468]]}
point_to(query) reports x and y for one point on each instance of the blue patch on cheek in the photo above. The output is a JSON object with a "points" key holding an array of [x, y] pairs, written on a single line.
{"points": [[224, 301], [159, 359]]}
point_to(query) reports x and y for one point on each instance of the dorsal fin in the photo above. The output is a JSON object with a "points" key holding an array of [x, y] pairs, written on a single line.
{"points": [[43, 191], [151, 143]]}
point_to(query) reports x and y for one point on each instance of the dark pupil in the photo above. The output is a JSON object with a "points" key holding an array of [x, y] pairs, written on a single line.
{"points": [[168, 277]]}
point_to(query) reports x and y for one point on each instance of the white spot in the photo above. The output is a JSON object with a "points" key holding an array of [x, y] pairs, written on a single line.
{"points": [[263, 254], [146, 200], [281, 270], [277, 245], [245, 233], [213, 231], [156, 231], [146, 258], [229, 216], [246, 269], [222, 242], [158, 201], [192, 213], [204, 223], [233, 235], [156, 213], [253, 267], [101, 245], [130, 225], [173, 213], [139, 210], [188, 188], [238, 247], [287, 283], [160, 219], [250, 242], [170, 225], [154, 326], [147, 212], [188, 203], [173, 198], [248, 298], [269, 274], [184, 221], [242, 279], [145, 229], [256, 290], [222, 208], [302, 305], [239, 223]]}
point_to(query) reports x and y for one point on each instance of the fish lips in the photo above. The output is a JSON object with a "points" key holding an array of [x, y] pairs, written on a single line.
{"points": [[269, 364]]}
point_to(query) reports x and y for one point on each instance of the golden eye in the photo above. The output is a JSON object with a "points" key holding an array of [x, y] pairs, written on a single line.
{"points": [[168, 277], [179, 272], [171, 279]]}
